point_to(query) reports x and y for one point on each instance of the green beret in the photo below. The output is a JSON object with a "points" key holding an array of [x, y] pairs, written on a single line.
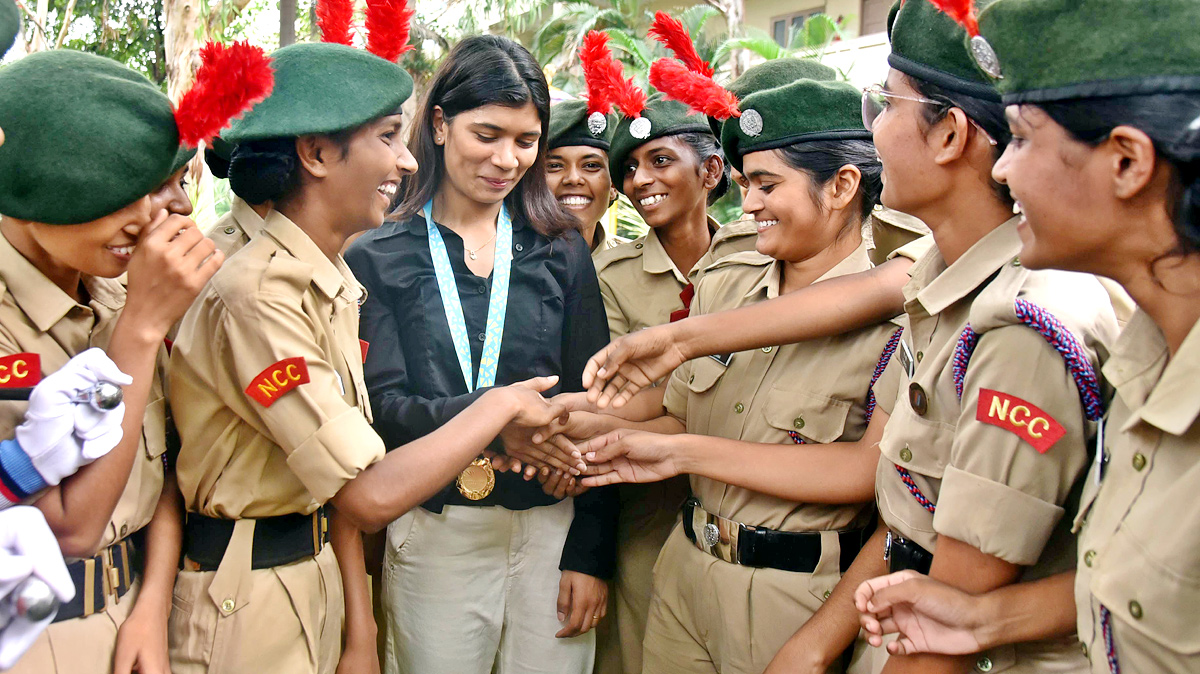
{"points": [[10, 24], [321, 87], [660, 118], [929, 45], [1049, 50], [84, 137], [184, 155], [804, 110], [775, 73], [570, 124]]}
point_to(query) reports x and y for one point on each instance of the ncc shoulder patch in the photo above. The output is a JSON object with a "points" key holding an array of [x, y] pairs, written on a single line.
{"points": [[1021, 417], [272, 383], [20, 370]]}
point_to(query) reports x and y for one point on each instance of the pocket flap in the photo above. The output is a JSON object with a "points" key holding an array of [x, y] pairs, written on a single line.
{"points": [[817, 418], [154, 428], [706, 372]]}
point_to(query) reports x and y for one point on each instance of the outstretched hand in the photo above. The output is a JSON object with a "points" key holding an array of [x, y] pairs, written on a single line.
{"points": [[929, 616], [628, 456], [631, 363]]}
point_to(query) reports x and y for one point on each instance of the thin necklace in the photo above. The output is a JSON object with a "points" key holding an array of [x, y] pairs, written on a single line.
{"points": [[471, 253]]}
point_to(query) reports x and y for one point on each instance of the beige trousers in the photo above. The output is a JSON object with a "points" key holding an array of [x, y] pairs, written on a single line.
{"points": [[285, 619], [709, 616], [79, 646], [648, 513], [474, 590]]}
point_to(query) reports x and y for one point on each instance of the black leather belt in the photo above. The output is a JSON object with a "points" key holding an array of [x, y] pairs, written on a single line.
{"points": [[111, 572], [277, 540], [902, 554], [798, 551]]}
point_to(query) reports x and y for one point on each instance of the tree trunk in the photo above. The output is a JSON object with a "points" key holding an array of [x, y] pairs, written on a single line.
{"points": [[287, 22], [39, 40]]}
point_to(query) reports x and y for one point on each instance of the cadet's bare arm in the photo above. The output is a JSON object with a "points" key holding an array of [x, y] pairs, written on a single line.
{"points": [[634, 361], [170, 265], [412, 473], [359, 654]]}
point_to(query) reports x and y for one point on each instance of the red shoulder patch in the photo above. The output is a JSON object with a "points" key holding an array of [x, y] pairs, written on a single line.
{"points": [[20, 370], [272, 383], [1026, 420]]}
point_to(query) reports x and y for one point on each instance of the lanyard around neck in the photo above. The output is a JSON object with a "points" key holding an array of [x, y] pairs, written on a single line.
{"points": [[497, 304]]}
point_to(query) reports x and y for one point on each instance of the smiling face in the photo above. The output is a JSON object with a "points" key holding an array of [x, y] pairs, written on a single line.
{"points": [[172, 195], [100, 248], [363, 181], [578, 177], [665, 180], [486, 151], [910, 181], [794, 217]]}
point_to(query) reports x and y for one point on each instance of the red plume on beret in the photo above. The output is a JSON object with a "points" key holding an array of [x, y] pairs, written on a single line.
{"points": [[388, 28], [231, 79], [698, 92], [334, 17], [670, 32], [962, 11], [606, 83]]}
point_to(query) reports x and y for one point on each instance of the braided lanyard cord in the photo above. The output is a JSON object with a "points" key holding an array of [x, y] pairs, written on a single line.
{"points": [[1110, 646]]}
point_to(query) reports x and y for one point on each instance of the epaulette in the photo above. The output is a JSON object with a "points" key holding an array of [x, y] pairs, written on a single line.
{"points": [[624, 251], [749, 258]]}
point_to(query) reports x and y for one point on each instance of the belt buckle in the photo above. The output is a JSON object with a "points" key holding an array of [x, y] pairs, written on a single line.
{"points": [[712, 534]]}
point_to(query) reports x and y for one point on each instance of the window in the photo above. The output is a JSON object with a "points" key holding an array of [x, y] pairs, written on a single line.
{"points": [[784, 27]]}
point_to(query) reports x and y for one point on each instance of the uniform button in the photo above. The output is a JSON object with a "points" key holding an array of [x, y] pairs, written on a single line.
{"points": [[1135, 609], [1088, 557], [124, 530], [766, 349], [519, 247], [1139, 461], [692, 379], [984, 664], [230, 230], [1083, 647], [1017, 262], [739, 408], [481, 337], [920, 356], [798, 423], [906, 455], [638, 246], [827, 593], [918, 399], [227, 606]]}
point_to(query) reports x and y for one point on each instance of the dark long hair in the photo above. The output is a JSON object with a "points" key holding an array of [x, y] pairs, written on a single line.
{"points": [[1172, 121], [822, 159], [485, 70]]}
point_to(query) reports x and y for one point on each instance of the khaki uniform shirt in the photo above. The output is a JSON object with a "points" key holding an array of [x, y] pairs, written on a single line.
{"points": [[640, 284], [976, 458], [263, 435], [603, 240], [816, 388], [1139, 528], [891, 231], [37, 316], [235, 229]]}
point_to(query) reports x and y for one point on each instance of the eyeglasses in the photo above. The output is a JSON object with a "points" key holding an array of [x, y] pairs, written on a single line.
{"points": [[874, 102]]}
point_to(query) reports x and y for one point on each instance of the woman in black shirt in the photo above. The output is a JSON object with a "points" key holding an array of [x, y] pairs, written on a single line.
{"points": [[470, 579]]}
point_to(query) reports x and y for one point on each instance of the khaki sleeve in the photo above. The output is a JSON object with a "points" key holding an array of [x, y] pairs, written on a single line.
{"points": [[914, 250], [328, 441], [1019, 447], [618, 325]]}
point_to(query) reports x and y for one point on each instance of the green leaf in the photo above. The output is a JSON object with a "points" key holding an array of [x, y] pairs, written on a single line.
{"points": [[632, 46]]}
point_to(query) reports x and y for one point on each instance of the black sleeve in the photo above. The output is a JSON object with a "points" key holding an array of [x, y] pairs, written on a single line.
{"points": [[591, 545]]}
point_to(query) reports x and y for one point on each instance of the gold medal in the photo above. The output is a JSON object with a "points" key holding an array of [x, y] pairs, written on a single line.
{"points": [[477, 480]]}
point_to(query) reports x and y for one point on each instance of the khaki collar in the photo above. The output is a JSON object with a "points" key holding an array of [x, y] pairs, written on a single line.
{"points": [[598, 237], [656, 261], [770, 282], [42, 301], [1163, 393], [937, 287], [250, 221], [329, 277]]}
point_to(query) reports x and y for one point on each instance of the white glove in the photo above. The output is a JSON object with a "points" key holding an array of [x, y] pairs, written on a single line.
{"points": [[27, 548], [61, 436]]}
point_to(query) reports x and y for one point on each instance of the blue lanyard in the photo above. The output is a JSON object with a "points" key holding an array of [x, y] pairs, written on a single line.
{"points": [[497, 304]]}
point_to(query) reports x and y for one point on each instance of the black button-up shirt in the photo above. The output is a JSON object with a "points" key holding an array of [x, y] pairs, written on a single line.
{"points": [[554, 323]]}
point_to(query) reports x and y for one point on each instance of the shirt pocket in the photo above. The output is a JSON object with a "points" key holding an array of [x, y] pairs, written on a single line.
{"points": [[816, 417], [154, 428], [706, 372]]}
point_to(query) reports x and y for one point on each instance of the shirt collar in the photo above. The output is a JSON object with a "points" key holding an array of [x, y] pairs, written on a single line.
{"points": [[250, 221], [42, 301], [655, 259], [328, 276], [598, 237], [770, 282], [936, 288], [1162, 392]]}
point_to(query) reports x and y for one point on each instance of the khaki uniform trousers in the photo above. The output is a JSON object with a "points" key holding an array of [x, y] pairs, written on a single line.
{"points": [[648, 514], [709, 616], [474, 590], [289, 619], [79, 646]]}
